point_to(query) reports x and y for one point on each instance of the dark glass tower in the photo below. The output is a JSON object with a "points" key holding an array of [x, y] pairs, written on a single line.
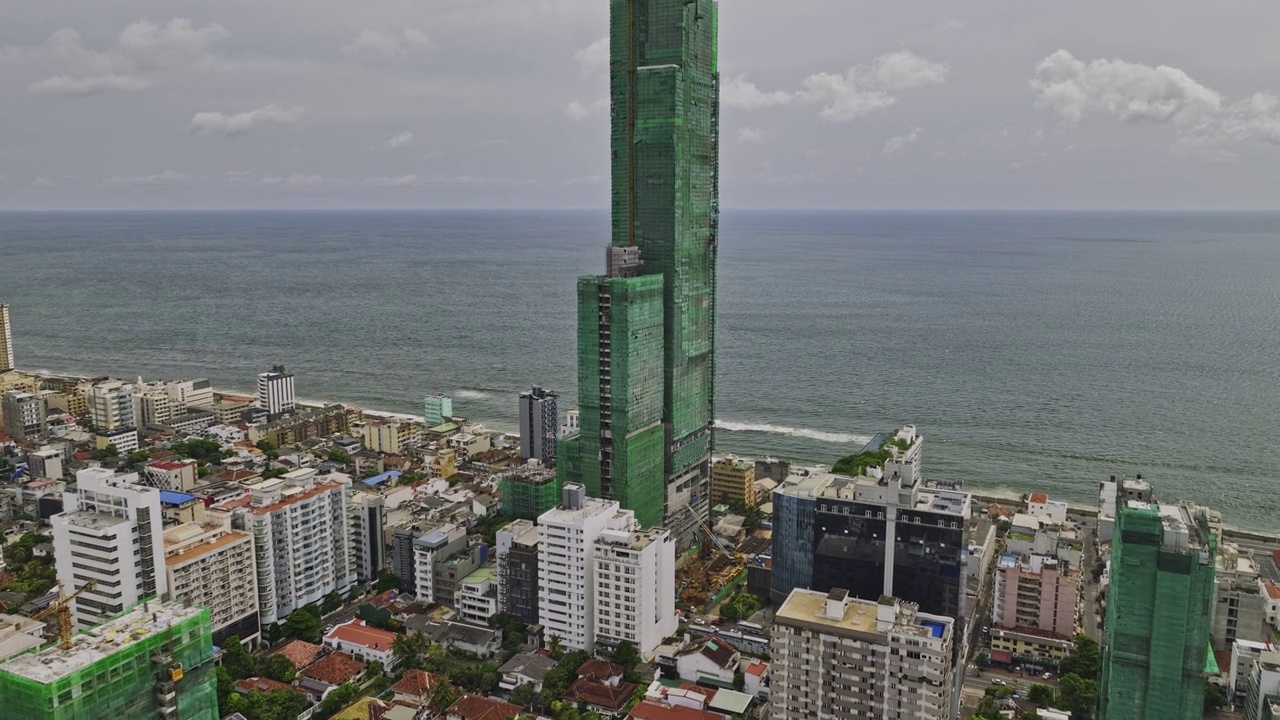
{"points": [[664, 88]]}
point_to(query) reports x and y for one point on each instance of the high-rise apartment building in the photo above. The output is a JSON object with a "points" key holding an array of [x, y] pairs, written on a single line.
{"points": [[635, 594], [436, 409], [275, 393], [566, 570], [733, 481], [646, 329], [302, 550], [24, 414], [110, 532], [155, 661], [365, 521], [837, 657], [210, 565], [528, 491], [151, 406], [111, 405], [539, 425], [1159, 610], [517, 562], [829, 531], [431, 550], [1035, 591], [6, 340]]}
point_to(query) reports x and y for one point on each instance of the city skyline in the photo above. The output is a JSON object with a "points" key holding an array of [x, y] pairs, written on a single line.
{"points": [[826, 105]]}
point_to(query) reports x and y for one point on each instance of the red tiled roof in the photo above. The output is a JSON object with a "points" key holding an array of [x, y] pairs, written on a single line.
{"points": [[1273, 592], [713, 648], [418, 682], [650, 710], [756, 668], [601, 694], [300, 652], [261, 684], [597, 669], [357, 633], [475, 707], [1038, 498], [334, 668], [167, 465]]}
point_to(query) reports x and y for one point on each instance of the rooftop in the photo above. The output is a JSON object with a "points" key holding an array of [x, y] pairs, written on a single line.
{"points": [[650, 710], [860, 616], [418, 682], [300, 652], [356, 632], [87, 648], [529, 665], [172, 497], [484, 574], [334, 668], [230, 537], [93, 520], [476, 707]]}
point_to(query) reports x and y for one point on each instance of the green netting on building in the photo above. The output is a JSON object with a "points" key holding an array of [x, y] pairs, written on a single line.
{"points": [[529, 494], [128, 683], [1159, 610]]}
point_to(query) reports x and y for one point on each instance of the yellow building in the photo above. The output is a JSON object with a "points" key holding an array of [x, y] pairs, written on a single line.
{"points": [[1029, 645], [444, 464], [733, 481], [20, 381]]}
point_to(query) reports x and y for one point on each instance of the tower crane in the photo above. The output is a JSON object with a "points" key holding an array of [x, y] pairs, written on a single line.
{"points": [[60, 608]]}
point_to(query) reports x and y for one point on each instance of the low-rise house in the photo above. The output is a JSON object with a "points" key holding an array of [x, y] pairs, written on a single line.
{"points": [[300, 652], [601, 686], [416, 686], [654, 710], [708, 661], [756, 679], [525, 668], [474, 639], [477, 707], [367, 643]]}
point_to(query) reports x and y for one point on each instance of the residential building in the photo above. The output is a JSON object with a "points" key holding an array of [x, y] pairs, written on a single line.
{"points": [[468, 444], [528, 491], [1239, 598], [21, 635], [646, 328], [24, 415], [382, 436], [1035, 591], [360, 640], [125, 440], [177, 475], [1262, 687], [430, 549], [1029, 647], [437, 409], [111, 405], [275, 393], [415, 687], [6, 340], [366, 521], [477, 707], [208, 564], [154, 661], [151, 405], [525, 669], [451, 568], [45, 463], [517, 563], [709, 661], [227, 409], [539, 425], [829, 530], [188, 395], [1159, 610], [566, 571], [837, 657], [635, 591], [287, 430], [1050, 511], [109, 533], [477, 597], [733, 481], [301, 540]]}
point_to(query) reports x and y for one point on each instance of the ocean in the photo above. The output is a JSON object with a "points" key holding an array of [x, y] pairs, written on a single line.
{"points": [[1035, 351]]}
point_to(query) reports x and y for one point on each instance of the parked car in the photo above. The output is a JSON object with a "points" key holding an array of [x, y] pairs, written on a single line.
{"points": [[1047, 675]]}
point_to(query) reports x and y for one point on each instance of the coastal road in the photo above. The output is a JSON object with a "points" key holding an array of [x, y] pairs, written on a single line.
{"points": [[1089, 588]]}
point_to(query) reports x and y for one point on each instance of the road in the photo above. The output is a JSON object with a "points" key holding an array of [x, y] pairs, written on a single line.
{"points": [[975, 686]]}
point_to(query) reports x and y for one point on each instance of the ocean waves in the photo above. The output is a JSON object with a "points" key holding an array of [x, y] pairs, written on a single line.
{"points": [[819, 435]]}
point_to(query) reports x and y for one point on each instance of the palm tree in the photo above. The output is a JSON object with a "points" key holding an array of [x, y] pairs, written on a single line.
{"points": [[554, 647], [442, 696]]}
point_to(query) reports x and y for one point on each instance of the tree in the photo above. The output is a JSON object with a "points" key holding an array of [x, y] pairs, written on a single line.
{"points": [[625, 654], [554, 647], [303, 624], [386, 581], [442, 696], [1040, 695], [1084, 659], [342, 696], [1078, 695], [331, 602], [408, 650], [226, 688], [1213, 697], [739, 680], [338, 456], [237, 661], [525, 695], [268, 448], [278, 668]]}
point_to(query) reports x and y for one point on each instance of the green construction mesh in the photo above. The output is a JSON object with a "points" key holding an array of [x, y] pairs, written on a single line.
{"points": [[527, 497]]}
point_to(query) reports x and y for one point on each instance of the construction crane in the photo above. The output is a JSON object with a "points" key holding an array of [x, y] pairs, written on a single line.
{"points": [[60, 608], [711, 536]]}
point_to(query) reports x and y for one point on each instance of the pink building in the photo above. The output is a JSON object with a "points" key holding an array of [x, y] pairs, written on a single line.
{"points": [[1034, 591]]}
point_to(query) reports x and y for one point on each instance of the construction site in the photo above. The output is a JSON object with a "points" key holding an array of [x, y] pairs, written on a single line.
{"points": [[719, 564], [155, 661]]}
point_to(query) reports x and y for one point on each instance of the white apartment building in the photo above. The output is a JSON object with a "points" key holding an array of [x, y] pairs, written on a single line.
{"points": [[177, 475], [430, 549], [151, 406], [477, 599], [837, 657], [635, 594], [566, 568], [6, 340], [45, 463], [381, 437], [209, 564], [111, 405], [109, 532], [187, 395], [301, 541], [365, 523], [275, 392]]}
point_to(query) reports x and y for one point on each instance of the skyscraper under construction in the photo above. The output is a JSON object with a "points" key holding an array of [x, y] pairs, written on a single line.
{"points": [[646, 328]]}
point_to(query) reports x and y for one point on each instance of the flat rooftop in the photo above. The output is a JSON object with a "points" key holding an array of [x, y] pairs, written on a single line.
{"points": [[94, 520], [53, 663], [860, 616]]}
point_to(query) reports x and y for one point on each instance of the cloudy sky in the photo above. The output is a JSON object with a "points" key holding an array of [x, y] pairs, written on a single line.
{"points": [[501, 103]]}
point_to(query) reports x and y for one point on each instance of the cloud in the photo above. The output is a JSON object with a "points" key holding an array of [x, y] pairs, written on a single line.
{"points": [[42, 182], [297, 180], [144, 49], [868, 88], [894, 144], [1161, 95], [743, 94], [373, 42], [593, 60], [404, 139], [391, 182], [1132, 92], [230, 125], [580, 111], [159, 181], [750, 135]]}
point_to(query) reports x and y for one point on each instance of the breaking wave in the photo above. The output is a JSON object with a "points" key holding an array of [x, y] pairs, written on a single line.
{"points": [[819, 435]]}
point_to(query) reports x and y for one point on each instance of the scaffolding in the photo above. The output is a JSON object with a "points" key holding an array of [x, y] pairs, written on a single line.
{"points": [[529, 492], [1159, 610], [153, 662]]}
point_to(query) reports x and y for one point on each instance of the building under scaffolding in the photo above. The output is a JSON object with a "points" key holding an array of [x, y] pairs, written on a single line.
{"points": [[528, 491], [155, 661]]}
